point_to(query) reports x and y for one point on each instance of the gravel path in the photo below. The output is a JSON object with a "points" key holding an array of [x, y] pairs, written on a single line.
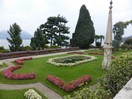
{"points": [[39, 86]]}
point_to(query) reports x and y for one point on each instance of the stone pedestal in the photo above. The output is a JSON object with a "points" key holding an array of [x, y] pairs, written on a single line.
{"points": [[107, 57]]}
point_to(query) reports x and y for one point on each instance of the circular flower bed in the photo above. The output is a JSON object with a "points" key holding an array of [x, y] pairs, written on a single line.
{"points": [[71, 60]]}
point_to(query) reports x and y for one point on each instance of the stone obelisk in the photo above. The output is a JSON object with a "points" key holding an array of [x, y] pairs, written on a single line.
{"points": [[108, 41]]}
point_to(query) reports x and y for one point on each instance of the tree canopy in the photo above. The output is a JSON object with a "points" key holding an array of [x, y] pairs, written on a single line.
{"points": [[118, 31], [39, 40], [55, 28], [15, 39], [98, 40], [84, 31]]}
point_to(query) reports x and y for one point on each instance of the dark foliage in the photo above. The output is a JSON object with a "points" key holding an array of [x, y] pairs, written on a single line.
{"points": [[15, 39], [84, 32]]}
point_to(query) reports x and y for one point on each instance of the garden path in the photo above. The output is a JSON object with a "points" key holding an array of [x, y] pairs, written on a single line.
{"points": [[50, 94], [39, 86]]}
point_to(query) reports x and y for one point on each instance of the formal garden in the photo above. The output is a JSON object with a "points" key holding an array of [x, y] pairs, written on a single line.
{"points": [[77, 71]]}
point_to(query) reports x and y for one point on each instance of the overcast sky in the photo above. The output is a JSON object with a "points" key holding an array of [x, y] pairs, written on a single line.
{"points": [[29, 14]]}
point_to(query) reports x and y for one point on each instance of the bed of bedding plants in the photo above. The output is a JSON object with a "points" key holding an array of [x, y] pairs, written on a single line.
{"points": [[69, 75], [71, 60]]}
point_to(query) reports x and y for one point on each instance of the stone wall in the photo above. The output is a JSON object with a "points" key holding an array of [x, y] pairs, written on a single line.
{"points": [[34, 52], [125, 92]]}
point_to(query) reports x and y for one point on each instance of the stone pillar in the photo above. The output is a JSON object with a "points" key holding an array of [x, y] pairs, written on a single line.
{"points": [[108, 41]]}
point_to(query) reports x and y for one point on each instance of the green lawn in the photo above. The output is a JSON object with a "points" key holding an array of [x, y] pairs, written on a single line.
{"points": [[42, 69], [2, 66], [16, 94]]}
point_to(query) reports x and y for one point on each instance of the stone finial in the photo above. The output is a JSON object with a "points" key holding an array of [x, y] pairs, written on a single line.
{"points": [[111, 4]]}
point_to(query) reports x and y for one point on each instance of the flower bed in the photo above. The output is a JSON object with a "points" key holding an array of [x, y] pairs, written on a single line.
{"points": [[34, 52], [31, 94], [8, 73], [97, 53], [21, 61], [80, 52], [100, 53], [68, 87], [71, 60]]}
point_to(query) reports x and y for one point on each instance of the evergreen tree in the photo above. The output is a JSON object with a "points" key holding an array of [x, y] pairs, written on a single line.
{"points": [[84, 32], [61, 38], [39, 40], [49, 29], [15, 39], [55, 28], [73, 41]]}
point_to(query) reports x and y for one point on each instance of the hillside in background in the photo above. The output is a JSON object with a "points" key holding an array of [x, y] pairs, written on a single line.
{"points": [[124, 38], [24, 35]]}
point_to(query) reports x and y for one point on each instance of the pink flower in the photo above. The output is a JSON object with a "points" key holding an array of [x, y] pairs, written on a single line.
{"points": [[8, 73], [21, 61], [68, 86]]}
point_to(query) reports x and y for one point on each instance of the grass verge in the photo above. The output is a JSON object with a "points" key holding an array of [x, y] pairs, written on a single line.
{"points": [[16, 94]]}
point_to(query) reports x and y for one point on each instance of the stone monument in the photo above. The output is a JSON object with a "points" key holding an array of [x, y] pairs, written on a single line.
{"points": [[108, 41]]}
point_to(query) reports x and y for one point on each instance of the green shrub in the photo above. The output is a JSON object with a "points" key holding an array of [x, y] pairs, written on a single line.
{"points": [[119, 73], [4, 51], [54, 46], [27, 48], [125, 47], [46, 46], [128, 41], [1, 48], [94, 92], [98, 44]]}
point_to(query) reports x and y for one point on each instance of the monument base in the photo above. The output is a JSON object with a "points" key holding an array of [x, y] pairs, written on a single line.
{"points": [[107, 57]]}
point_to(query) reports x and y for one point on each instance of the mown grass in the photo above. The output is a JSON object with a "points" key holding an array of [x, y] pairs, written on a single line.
{"points": [[16, 94], [3, 65], [42, 69]]}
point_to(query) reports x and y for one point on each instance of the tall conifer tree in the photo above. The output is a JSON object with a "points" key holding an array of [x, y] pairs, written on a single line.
{"points": [[84, 32], [15, 39]]}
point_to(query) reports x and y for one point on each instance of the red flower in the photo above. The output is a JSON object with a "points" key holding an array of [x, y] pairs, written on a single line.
{"points": [[21, 61], [8, 73], [68, 86]]}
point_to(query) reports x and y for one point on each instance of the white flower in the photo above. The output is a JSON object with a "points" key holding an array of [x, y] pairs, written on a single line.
{"points": [[31, 94], [88, 58]]}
